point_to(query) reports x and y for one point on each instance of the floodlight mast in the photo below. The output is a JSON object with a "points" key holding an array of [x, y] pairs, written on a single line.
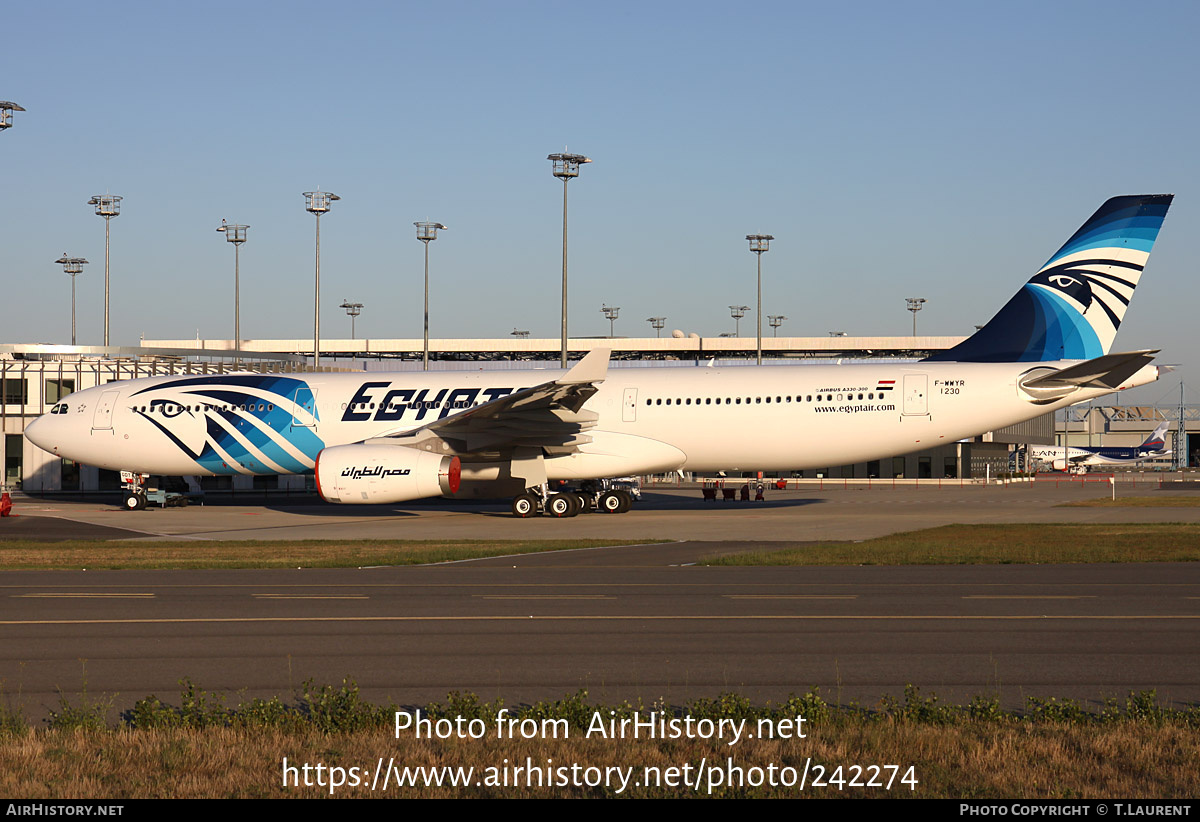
{"points": [[6, 112], [74, 267], [737, 312], [611, 312], [566, 167], [107, 206], [775, 320], [657, 324], [353, 310], [759, 243], [236, 234], [318, 203], [914, 305], [426, 233]]}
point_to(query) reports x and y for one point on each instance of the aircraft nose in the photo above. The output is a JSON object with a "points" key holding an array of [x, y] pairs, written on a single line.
{"points": [[38, 432]]}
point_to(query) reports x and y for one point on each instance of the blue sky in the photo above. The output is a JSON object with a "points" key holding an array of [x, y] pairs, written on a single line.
{"points": [[942, 150]]}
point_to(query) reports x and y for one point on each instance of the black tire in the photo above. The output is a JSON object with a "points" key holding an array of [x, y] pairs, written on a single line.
{"points": [[135, 502], [525, 505], [626, 501], [561, 505], [610, 503], [585, 503], [577, 504]]}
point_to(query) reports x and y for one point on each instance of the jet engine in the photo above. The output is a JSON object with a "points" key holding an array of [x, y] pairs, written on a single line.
{"points": [[367, 474]]}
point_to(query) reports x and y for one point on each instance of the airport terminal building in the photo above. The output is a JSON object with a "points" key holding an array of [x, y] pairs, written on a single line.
{"points": [[34, 377]]}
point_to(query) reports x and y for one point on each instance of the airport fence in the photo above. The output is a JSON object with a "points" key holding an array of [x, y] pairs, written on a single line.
{"points": [[735, 484]]}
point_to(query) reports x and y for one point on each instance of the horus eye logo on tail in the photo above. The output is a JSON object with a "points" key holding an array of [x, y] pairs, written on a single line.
{"points": [[1071, 309]]}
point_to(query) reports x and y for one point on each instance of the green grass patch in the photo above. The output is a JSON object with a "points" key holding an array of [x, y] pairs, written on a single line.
{"points": [[174, 553], [1156, 501], [995, 545]]}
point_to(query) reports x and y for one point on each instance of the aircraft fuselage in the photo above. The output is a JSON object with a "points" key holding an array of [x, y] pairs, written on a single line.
{"points": [[646, 419]]}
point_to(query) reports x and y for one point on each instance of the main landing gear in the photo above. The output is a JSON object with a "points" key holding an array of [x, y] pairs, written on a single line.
{"points": [[592, 496]]}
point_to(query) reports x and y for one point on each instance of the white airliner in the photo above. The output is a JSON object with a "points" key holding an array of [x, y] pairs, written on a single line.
{"points": [[1078, 459], [392, 437]]}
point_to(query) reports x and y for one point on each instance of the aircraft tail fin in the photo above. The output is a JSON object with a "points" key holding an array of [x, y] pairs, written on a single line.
{"points": [[1157, 441], [1072, 307]]}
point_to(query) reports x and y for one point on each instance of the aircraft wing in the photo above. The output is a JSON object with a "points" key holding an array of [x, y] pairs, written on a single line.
{"points": [[549, 417]]}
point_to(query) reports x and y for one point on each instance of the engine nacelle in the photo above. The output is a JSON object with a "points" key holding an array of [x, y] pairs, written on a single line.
{"points": [[366, 474]]}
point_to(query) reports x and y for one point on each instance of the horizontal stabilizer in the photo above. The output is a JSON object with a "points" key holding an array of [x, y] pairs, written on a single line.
{"points": [[1109, 371]]}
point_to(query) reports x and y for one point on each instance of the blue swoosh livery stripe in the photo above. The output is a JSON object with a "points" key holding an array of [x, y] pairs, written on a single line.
{"points": [[261, 429]]}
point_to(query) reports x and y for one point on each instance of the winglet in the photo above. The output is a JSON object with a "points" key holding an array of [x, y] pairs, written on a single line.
{"points": [[592, 368]]}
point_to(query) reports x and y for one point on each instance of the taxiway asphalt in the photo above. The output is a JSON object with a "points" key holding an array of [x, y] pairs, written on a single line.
{"points": [[635, 622]]}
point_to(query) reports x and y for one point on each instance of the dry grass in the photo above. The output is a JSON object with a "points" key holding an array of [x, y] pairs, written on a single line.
{"points": [[1158, 501], [993, 759], [996, 544], [101, 554]]}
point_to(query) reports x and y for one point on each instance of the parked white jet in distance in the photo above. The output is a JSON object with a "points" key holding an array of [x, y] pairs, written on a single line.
{"points": [[1079, 459], [392, 437]]}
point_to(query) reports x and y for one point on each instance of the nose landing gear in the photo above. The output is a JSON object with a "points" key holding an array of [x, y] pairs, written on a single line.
{"points": [[135, 490]]}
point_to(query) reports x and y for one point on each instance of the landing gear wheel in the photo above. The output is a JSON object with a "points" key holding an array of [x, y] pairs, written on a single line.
{"points": [[626, 501], [585, 503], [135, 501], [525, 505], [610, 503], [562, 505]]}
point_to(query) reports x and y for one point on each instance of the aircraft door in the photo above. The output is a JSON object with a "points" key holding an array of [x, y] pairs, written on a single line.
{"points": [[916, 394], [102, 419], [304, 413], [629, 405]]}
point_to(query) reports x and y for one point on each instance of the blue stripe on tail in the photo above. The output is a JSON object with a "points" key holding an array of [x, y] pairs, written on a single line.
{"points": [[1072, 307]]}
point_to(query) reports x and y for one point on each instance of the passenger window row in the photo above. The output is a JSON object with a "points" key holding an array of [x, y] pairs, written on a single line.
{"points": [[394, 406], [778, 400], [175, 409]]}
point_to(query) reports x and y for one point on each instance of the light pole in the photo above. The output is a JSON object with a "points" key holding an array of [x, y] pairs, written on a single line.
{"points": [[6, 111], [657, 323], [353, 309], [611, 312], [318, 203], [775, 320], [426, 232], [737, 312], [236, 234], [107, 206], [566, 166], [74, 267], [914, 305], [758, 244]]}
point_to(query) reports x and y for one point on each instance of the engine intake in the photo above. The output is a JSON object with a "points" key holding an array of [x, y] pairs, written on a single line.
{"points": [[366, 474]]}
